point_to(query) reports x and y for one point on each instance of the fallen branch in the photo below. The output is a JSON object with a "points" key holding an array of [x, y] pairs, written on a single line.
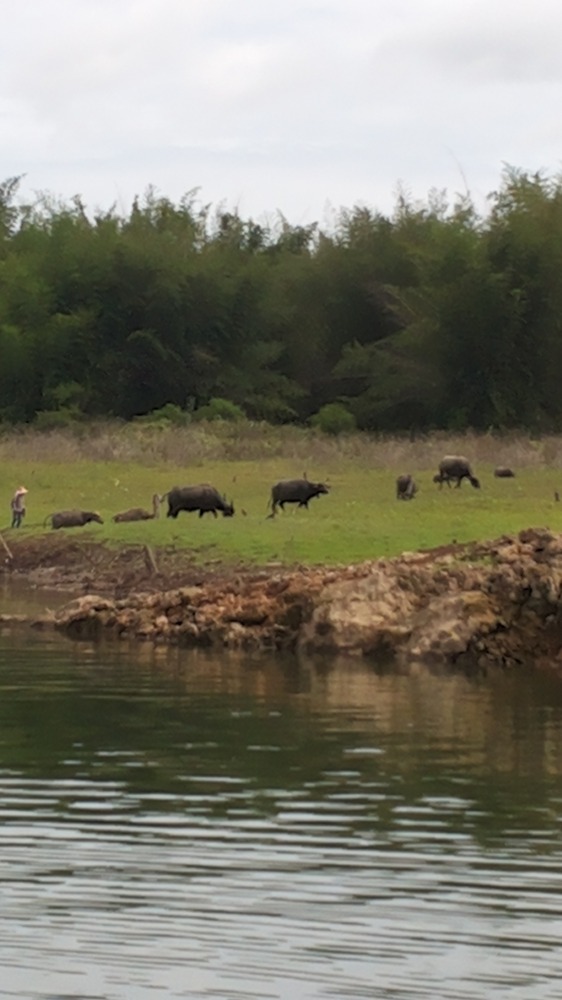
{"points": [[6, 548], [150, 560]]}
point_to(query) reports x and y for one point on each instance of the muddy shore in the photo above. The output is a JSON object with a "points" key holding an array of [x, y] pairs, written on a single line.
{"points": [[491, 603]]}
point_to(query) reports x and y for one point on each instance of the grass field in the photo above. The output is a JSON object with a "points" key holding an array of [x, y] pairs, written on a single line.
{"points": [[110, 469]]}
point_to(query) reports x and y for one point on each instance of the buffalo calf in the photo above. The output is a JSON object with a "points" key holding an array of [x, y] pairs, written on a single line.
{"points": [[406, 488], [139, 513], [503, 472]]}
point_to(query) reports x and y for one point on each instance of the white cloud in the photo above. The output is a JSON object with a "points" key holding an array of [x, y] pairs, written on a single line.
{"points": [[288, 105]]}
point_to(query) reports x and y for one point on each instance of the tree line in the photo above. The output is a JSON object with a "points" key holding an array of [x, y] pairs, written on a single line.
{"points": [[433, 316]]}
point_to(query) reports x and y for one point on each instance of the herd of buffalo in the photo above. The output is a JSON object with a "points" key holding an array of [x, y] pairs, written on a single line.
{"points": [[204, 498], [452, 469]]}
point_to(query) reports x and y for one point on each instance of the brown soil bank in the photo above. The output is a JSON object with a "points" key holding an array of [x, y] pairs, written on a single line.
{"points": [[492, 603]]}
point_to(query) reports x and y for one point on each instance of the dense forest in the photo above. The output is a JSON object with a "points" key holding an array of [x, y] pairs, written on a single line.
{"points": [[434, 316]]}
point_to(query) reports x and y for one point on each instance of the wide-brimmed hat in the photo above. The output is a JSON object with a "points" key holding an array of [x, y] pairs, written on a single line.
{"points": [[21, 489]]}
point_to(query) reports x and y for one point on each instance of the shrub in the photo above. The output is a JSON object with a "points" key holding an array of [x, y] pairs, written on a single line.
{"points": [[220, 409], [333, 418], [49, 420], [167, 414]]}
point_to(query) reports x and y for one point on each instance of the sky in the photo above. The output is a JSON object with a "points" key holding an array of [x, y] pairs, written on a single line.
{"points": [[302, 107]]}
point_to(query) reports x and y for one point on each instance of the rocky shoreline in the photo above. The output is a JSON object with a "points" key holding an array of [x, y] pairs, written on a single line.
{"points": [[492, 603]]}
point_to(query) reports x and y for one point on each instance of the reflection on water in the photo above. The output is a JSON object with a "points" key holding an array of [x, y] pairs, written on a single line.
{"points": [[18, 597], [181, 825]]}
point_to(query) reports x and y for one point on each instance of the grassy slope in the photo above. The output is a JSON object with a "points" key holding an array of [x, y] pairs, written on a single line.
{"points": [[360, 519]]}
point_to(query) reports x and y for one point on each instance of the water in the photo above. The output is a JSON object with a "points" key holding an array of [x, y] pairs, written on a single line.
{"points": [[17, 597], [180, 825]]}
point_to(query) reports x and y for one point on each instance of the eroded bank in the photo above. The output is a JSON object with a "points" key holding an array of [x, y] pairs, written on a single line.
{"points": [[497, 602]]}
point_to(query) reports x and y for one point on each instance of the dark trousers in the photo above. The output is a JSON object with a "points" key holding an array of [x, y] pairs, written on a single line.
{"points": [[17, 518]]}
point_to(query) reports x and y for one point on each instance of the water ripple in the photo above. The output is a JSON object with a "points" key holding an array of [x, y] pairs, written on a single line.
{"points": [[204, 843]]}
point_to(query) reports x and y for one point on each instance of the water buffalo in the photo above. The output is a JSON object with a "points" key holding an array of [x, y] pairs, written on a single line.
{"points": [[73, 518], [455, 467], [503, 472], [406, 488], [139, 513], [204, 498], [298, 491]]}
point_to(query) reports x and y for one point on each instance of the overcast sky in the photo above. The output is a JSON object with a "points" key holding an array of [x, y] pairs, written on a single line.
{"points": [[302, 106]]}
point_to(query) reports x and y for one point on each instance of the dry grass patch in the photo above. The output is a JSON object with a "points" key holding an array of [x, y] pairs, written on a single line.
{"points": [[199, 443]]}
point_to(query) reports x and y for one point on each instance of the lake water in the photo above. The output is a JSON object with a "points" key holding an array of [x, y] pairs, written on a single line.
{"points": [[181, 825]]}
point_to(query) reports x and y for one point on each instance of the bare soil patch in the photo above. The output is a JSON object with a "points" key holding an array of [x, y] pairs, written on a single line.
{"points": [[84, 566], [81, 565]]}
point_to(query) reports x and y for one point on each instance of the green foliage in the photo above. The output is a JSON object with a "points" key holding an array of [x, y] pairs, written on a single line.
{"points": [[49, 420], [220, 409], [333, 418], [66, 395], [168, 414], [393, 383], [433, 317]]}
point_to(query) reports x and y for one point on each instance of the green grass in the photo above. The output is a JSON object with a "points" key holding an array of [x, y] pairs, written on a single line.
{"points": [[360, 519]]}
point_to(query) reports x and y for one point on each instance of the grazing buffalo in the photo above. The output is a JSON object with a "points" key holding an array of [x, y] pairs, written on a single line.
{"points": [[298, 491], [204, 498], [73, 518], [139, 513], [503, 472], [455, 467], [406, 488]]}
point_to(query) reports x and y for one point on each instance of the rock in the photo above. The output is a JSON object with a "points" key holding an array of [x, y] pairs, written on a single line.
{"points": [[86, 616], [9, 619], [489, 603], [450, 626], [368, 616]]}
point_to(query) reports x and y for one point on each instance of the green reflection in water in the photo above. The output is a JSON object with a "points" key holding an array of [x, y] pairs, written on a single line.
{"points": [[485, 752]]}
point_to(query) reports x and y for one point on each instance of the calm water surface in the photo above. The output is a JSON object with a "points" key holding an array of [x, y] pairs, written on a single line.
{"points": [[178, 825]]}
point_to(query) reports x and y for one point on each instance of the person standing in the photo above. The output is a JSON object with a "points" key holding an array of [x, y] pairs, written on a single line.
{"points": [[17, 505]]}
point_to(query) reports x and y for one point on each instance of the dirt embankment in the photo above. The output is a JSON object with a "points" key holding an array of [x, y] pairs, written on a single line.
{"points": [[492, 603]]}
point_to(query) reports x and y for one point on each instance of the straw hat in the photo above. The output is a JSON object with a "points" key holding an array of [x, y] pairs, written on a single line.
{"points": [[20, 490]]}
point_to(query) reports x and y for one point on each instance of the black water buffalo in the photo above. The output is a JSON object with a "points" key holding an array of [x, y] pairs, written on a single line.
{"points": [[298, 491], [73, 518], [503, 472], [204, 498], [406, 488], [455, 467]]}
